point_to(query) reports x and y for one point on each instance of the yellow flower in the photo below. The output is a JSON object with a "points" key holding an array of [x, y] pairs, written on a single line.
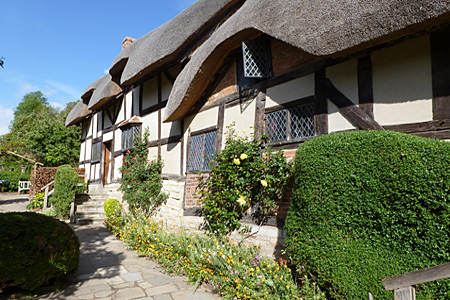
{"points": [[241, 200], [264, 183], [243, 131], [237, 161], [243, 156]]}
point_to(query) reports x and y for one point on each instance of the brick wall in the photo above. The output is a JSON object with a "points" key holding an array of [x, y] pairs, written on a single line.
{"points": [[227, 85], [286, 58], [191, 195]]}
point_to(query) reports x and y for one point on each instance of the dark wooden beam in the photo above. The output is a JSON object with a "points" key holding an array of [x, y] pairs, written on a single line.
{"points": [[435, 125], [320, 103], [165, 141], [220, 121], [365, 85], [169, 76], [440, 73], [351, 110]]}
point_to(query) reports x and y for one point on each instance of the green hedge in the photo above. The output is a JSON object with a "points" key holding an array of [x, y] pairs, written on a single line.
{"points": [[66, 180], [14, 179], [34, 249], [368, 205]]}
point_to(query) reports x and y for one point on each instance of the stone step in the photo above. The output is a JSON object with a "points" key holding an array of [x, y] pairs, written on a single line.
{"points": [[87, 221], [89, 207], [90, 214]]}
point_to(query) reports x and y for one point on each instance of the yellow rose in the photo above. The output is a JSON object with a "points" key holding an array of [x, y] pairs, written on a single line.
{"points": [[243, 156], [264, 183], [237, 161], [241, 200]]}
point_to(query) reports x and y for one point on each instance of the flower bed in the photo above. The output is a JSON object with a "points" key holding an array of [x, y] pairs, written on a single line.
{"points": [[236, 271]]}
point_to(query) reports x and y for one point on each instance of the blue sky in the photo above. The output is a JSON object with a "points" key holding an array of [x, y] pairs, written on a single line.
{"points": [[59, 47]]}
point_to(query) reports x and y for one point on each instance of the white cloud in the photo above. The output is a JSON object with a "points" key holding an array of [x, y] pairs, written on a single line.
{"points": [[57, 105], [105, 71], [6, 116], [25, 88], [64, 88]]}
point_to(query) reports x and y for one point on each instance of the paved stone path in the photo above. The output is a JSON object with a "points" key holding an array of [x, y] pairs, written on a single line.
{"points": [[13, 202], [109, 271]]}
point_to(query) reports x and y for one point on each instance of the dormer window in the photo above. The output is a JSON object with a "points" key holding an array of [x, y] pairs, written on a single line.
{"points": [[255, 64]]}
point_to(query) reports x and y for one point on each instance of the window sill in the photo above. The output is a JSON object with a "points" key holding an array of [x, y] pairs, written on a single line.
{"points": [[288, 143]]}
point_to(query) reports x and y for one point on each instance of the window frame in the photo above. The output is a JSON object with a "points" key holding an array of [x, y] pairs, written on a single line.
{"points": [[287, 107], [96, 151], [202, 165], [130, 127]]}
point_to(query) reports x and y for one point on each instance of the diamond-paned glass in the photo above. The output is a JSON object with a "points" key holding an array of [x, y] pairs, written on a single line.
{"points": [[301, 121], [256, 59], [276, 126], [203, 147], [209, 148], [129, 135], [195, 155]]}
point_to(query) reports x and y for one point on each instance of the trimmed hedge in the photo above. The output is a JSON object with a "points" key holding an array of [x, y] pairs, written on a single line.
{"points": [[14, 179], [111, 207], [34, 249], [66, 180], [368, 205]]}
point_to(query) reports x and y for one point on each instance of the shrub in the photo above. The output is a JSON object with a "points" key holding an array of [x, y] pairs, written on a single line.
{"points": [[35, 249], [112, 207], [66, 180], [37, 202], [14, 179], [141, 181], [242, 177], [369, 205]]}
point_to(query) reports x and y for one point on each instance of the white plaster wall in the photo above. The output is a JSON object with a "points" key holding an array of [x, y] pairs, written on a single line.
{"points": [[121, 116], [89, 149], [290, 91], [117, 165], [151, 121], [136, 93], [94, 125], [92, 172], [402, 83], [345, 78], [203, 119], [166, 87], [117, 140], [171, 154], [153, 153], [97, 171], [244, 120], [128, 102], [108, 136], [82, 150], [89, 130], [171, 128], [87, 172], [150, 93]]}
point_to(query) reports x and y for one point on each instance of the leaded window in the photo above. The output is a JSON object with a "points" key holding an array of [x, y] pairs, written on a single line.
{"points": [[96, 152], [202, 149], [129, 136], [257, 61], [290, 124]]}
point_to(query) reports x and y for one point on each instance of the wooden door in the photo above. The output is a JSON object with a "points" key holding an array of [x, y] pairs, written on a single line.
{"points": [[107, 162]]}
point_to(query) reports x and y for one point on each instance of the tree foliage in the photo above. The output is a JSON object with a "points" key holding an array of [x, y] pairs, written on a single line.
{"points": [[38, 131]]}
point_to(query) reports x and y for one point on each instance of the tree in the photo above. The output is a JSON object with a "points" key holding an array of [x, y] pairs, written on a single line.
{"points": [[38, 131]]}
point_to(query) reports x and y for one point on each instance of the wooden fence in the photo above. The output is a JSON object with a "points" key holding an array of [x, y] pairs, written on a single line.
{"points": [[402, 285]]}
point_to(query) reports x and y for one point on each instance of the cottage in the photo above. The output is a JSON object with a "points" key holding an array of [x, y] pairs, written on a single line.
{"points": [[292, 70]]}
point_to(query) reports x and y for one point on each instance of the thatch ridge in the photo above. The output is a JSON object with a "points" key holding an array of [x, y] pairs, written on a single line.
{"points": [[78, 113], [105, 90], [321, 28], [168, 40]]}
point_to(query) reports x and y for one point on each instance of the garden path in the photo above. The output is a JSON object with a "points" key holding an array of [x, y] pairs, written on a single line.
{"points": [[13, 202], [109, 271]]}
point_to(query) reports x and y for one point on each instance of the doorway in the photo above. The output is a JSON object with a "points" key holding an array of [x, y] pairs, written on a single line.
{"points": [[106, 162]]}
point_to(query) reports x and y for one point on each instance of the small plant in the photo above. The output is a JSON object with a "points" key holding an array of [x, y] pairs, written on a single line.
{"points": [[66, 180], [112, 207], [242, 176], [37, 202], [237, 272], [141, 181]]}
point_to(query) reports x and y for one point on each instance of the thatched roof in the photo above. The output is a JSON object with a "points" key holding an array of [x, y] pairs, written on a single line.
{"points": [[167, 41], [90, 89], [321, 28], [105, 90], [78, 113]]}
